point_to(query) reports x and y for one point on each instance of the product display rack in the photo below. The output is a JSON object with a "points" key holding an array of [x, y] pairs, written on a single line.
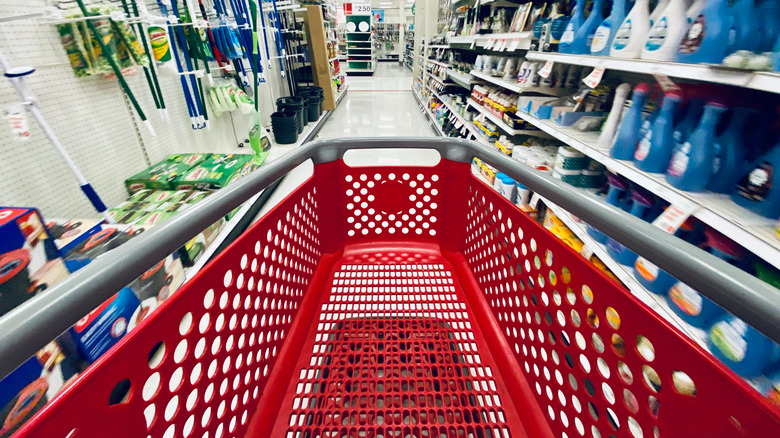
{"points": [[361, 58], [513, 86], [500, 123], [464, 80]]}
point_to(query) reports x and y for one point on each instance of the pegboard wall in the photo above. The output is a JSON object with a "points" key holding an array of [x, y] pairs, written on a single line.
{"points": [[93, 121]]}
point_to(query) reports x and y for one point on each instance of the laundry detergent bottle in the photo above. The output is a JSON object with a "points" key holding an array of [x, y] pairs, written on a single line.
{"points": [[690, 168], [624, 143], [630, 37], [655, 149], [768, 13], [574, 24], [659, 8], [730, 153], [707, 38], [655, 279], [584, 35], [641, 201], [605, 34], [746, 33], [758, 190], [666, 32], [617, 188], [742, 348]]}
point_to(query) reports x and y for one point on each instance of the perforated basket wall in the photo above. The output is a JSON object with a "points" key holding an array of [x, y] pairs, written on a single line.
{"points": [[600, 363], [198, 366]]}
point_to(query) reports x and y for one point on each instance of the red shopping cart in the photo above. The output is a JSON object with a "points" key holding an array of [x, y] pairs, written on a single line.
{"points": [[404, 302]]}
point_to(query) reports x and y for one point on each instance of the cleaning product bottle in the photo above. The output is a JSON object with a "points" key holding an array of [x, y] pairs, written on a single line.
{"points": [[657, 280], [630, 37], [729, 153], [624, 143], [605, 33], [768, 24], [655, 149], [707, 39], [691, 165], [617, 187], [747, 36], [584, 35], [742, 348], [665, 35], [686, 126], [575, 22], [641, 201], [657, 11], [693, 308], [614, 117], [647, 122], [758, 189]]}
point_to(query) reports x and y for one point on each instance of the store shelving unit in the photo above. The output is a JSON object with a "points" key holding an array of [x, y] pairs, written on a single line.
{"points": [[361, 58], [461, 79], [517, 88], [503, 126], [518, 40], [443, 64], [765, 81]]}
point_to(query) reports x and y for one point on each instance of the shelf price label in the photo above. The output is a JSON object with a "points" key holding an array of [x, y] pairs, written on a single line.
{"points": [[546, 69], [490, 43], [665, 82], [594, 78], [513, 45], [673, 217]]}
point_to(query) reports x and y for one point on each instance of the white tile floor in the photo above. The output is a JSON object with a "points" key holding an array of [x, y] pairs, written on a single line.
{"points": [[381, 105]]}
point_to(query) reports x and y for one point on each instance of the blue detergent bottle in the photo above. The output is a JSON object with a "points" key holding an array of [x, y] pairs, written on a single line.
{"points": [[641, 201], [694, 308], [707, 39], [624, 143], [686, 126], [768, 28], [574, 24], [605, 33], [655, 279], [742, 348], [730, 153], [690, 168], [758, 189], [655, 149], [617, 188], [746, 33], [584, 35]]}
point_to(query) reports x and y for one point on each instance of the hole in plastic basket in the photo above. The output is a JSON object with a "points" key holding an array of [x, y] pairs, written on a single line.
{"points": [[625, 373], [170, 432], [121, 393], [618, 346], [651, 378], [634, 428], [603, 368], [589, 387], [598, 344], [683, 384], [595, 432], [149, 412], [181, 351], [575, 318], [566, 276], [580, 340], [645, 348], [613, 318], [585, 363], [188, 426], [557, 298], [185, 324], [592, 318], [613, 419], [151, 387], [156, 355], [587, 294], [571, 297], [72, 434], [630, 400], [593, 411], [609, 395], [176, 380]]}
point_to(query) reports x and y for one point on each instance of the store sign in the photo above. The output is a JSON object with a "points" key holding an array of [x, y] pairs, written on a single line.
{"points": [[379, 15], [357, 9]]}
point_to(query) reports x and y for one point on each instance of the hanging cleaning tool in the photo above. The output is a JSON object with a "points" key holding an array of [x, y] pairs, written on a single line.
{"points": [[274, 17], [166, 49], [109, 56], [257, 139], [194, 47], [16, 76], [150, 70]]}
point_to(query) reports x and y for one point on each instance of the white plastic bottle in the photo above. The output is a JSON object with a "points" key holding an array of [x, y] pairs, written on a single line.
{"points": [[664, 37], [613, 119], [659, 9], [630, 38]]}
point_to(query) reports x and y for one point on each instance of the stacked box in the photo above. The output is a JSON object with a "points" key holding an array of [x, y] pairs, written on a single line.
{"points": [[216, 172], [162, 176]]}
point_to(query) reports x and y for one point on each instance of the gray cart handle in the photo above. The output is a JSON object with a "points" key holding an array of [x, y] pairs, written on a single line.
{"points": [[32, 325]]}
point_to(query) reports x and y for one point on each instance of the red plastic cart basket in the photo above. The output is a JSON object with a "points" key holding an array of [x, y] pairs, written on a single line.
{"points": [[407, 302]]}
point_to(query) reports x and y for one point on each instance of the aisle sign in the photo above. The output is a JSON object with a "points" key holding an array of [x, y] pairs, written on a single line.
{"points": [[357, 9]]}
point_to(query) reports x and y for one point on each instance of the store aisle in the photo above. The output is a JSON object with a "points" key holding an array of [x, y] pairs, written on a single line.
{"points": [[381, 105]]}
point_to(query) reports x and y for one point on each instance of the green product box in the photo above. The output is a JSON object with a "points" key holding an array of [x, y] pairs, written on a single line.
{"points": [[141, 195], [159, 176], [153, 218], [196, 196], [180, 196], [170, 207], [215, 173], [190, 159], [127, 216]]}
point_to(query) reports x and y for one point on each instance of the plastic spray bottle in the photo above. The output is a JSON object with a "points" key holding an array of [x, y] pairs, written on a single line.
{"points": [[630, 37], [667, 31], [655, 149], [575, 22], [707, 39], [624, 143], [584, 35], [605, 33], [691, 165]]}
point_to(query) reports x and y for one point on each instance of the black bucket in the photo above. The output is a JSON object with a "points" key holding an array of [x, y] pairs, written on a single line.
{"points": [[305, 89], [285, 126], [295, 104], [315, 107]]}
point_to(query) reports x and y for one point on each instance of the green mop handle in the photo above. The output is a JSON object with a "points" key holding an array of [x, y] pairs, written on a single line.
{"points": [[114, 67], [149, 54]]}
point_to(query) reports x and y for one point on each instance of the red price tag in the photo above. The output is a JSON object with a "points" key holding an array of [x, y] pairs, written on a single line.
{"points": [[546, 69], [673, 217]]}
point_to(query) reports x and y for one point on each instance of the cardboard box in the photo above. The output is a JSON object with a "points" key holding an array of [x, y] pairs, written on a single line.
{"points": [[216, 172], [69, 233], [105, 326], [161, 176], [189, 159]]}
